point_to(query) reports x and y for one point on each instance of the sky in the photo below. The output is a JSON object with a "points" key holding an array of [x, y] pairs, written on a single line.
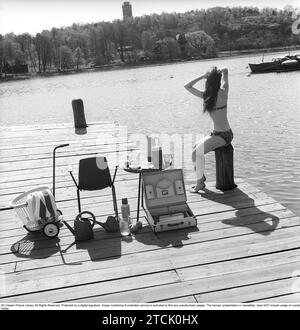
{"points": [[32, 16]]}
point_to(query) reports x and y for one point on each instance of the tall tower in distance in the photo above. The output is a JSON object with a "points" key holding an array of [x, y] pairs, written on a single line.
{"points": [[127, 10]]}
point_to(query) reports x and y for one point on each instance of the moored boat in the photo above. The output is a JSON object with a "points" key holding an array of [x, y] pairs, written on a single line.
{"points": [[286, 63]]}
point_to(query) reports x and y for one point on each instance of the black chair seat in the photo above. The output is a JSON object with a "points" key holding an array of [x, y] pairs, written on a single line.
{"points": [[94, 174]]}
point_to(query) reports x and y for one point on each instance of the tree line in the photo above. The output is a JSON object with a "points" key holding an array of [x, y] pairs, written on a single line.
{"points": [[155, 37]]}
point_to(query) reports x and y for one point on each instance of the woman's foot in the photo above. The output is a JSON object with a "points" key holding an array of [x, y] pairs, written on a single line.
{"points": [[200, 185]]}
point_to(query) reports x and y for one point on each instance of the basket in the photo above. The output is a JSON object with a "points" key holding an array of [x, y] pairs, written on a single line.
{"points": [[20, 205]]}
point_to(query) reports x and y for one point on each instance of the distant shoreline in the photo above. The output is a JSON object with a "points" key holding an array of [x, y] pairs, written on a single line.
{"points": [[107, 67]]}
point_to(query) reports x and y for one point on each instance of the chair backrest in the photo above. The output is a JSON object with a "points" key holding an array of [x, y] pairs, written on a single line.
{"points": [[94, 174]]}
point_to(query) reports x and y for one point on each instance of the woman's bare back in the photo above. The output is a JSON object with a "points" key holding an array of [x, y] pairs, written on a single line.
{"points": [[219, 116]]}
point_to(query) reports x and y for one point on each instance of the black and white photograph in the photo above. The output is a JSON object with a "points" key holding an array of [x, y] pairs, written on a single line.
{"points": [[149, 156]]}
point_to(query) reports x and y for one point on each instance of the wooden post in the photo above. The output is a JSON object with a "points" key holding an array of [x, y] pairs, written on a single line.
{"points": [[224, 168], [78, 112]]}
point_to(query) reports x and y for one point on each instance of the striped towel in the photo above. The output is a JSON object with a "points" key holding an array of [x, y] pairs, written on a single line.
{"points": [[41, 205]]}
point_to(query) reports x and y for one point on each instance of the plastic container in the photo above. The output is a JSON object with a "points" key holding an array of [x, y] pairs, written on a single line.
{"points": [[125, 208], [125, 220]]}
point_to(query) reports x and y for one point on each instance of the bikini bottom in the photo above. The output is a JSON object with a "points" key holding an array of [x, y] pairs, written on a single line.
{"points": [[227, 136]]}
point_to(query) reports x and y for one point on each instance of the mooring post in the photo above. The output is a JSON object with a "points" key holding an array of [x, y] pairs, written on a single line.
{"points": [[78, 112], [224, 168]]}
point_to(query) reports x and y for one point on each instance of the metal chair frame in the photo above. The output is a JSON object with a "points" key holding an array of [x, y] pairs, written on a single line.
{"points": [[112, 188]]}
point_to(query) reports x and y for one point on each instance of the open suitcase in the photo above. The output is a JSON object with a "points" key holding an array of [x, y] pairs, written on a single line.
{"points": [[166, 202]]}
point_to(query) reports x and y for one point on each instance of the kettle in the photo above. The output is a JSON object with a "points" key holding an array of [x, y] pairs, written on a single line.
{"points": [[83, 227]]}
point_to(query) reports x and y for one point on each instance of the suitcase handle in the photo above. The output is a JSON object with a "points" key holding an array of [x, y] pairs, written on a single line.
{"points": [[175, 224]]}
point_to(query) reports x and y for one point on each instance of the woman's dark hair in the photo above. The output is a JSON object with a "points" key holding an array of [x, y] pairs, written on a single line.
{"points": [[212, 86]]}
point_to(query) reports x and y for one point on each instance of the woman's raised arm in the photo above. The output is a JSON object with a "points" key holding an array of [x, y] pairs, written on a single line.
{"points": [[190, 86], [225, 82]]}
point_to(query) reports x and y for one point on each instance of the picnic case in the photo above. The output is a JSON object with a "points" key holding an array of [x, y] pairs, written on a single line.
{"points": [[166, 202]]}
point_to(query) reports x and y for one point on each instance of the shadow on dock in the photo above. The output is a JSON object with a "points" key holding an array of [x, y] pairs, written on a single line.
{"points": [[163, 239], [98, 249], [261, 222], [36, 246], [33, 246]]}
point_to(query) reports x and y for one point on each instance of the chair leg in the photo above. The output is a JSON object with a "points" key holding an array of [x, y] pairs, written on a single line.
{"points": [[113, 190], [78, 200], [142, 201]]}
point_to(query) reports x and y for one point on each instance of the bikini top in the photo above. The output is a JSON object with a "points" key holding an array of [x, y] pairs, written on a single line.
{"points": [[220, 108]]}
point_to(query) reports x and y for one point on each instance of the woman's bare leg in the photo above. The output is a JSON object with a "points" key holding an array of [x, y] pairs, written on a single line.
{"points": [[208, 144]]}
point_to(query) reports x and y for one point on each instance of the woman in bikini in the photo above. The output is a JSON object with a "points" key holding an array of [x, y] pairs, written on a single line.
{"points": [[215, 99]]}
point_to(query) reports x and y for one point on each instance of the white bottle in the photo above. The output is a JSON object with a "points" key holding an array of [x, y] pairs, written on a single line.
{"points": [[125, 220]]}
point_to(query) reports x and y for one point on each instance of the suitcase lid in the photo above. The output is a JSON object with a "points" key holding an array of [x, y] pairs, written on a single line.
{"points": [[164, 188]]}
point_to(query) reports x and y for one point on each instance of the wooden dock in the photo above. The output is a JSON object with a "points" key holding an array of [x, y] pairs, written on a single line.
{"points": [[246, 247]]}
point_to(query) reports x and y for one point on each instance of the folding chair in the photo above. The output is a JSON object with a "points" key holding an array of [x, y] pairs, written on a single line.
{"points": [[94, 174]]}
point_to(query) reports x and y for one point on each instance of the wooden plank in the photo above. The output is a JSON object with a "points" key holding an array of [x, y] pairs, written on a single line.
{"points": [[62, 181], [64, 185], [249, 293], [35, 167], [293, 298], [76, 148], [113, 152], [283, 239], [29, 136], [218, 254], [57, 134], [205, 222], [201, 206], [129, 188], [122, 178], [60, 169], [8, 268], [179, 300], [18, 284], [71, 151], [146, 259], [258, 223], [82, 277], [238, 265], [131, 283], [249, 223], [49, 126], [179, 289]]}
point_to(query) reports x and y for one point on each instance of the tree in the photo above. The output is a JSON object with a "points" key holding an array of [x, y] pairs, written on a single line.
{"points": [[152, 36], [1, 53], [78, 57], [147, 41], [66, 60], [200, 43], [181, 39], [119, 37], [44, 50], [170, 48], [26, 42]]}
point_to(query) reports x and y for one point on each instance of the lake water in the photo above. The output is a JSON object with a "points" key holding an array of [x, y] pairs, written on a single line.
{"points": [[263, 112]]}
